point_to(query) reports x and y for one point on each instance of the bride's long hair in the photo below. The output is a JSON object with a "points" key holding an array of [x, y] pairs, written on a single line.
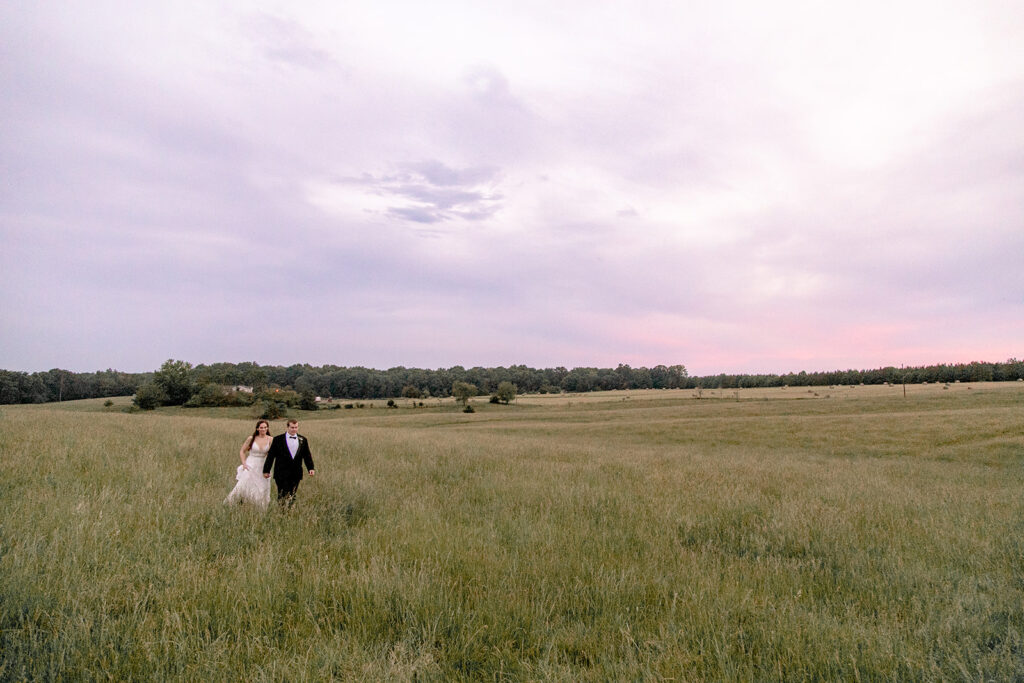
{"points": [[256, 432]]}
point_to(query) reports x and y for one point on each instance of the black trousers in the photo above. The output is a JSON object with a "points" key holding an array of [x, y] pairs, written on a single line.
{"points": [[286, 492]]}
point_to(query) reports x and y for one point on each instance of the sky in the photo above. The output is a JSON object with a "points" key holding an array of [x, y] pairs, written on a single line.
{"points": [[731, 186]]}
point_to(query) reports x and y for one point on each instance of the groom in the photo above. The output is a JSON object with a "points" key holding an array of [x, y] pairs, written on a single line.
{"points": [[290, 450]]}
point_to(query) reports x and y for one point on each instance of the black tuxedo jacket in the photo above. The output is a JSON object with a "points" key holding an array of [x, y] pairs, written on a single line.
{"points": [[288, 471]]}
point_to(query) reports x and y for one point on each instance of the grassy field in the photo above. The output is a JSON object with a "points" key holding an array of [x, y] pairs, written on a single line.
{"points": [[844, 533]]}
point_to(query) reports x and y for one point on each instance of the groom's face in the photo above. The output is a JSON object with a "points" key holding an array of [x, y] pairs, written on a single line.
{"points": [[292, 427]]}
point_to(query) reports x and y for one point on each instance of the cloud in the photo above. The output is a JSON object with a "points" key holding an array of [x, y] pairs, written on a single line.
{"points": [[422, 192], [672, 184], [285, 41]]}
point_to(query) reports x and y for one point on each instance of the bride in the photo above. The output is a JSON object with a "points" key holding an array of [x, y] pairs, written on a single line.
{"points": [[252, 486]]}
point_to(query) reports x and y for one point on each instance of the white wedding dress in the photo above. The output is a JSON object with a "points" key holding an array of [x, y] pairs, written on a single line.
{"points": [[252, 487]]}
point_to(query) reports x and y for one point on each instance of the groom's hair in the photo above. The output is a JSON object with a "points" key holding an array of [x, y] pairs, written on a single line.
{"points": [[292, 421]]}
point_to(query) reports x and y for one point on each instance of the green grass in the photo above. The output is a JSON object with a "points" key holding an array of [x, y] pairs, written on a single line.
{"points": [[863, 536]]}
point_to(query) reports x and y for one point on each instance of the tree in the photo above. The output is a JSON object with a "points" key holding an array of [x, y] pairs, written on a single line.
{"points": [[207, 395], [271, 410], [409, 391], [33, 390], [254, 376], [308, 401], [463, 391], [506, 392], [149, 396], [175, 378], [9, 391]]}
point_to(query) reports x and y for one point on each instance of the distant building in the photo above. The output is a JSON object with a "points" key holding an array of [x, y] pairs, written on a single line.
{"points": [[242, 387]]}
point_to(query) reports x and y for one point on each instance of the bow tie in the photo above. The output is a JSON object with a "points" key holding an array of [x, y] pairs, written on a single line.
{"points": [[292, 437]]}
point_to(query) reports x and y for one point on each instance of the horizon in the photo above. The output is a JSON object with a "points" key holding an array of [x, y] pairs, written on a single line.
{"points": [[808, 371], [739, 189]]}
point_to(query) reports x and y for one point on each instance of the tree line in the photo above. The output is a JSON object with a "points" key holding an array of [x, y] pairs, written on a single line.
{"points": [[359, 383], [64, 385]]}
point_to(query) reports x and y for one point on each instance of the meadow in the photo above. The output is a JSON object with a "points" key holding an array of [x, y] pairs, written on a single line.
{"points": [[825, 533]]}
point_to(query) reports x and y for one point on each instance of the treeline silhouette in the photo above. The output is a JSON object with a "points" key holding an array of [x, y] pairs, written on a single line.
{"points": [[368, 383], [64, 385]]}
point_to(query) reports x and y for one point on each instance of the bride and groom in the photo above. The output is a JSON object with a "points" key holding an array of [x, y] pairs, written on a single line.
{"points": [[283, 454]]}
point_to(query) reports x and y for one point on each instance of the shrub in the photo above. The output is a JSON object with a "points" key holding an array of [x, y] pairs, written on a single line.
{"points": [[238, 398], [285, 397], [391, 403], [506, 392], [271, 410], [209, 395], [149, 396], [468, 409], [108, 403]]}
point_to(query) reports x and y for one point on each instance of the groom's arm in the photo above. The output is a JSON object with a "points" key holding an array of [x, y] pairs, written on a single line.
{"points": [[307, 457], [269, 462]]}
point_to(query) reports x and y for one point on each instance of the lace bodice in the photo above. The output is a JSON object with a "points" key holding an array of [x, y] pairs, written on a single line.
{"points": [[256, 450]]}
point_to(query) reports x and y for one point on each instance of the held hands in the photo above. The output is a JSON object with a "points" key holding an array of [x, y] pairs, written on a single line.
{"points": [[266, 475]]}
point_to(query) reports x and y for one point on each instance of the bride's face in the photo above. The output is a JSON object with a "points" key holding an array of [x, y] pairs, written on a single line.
{"points": [[263, 429]]}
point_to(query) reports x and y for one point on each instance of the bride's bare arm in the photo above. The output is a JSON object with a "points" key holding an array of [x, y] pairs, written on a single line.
{"points": [[245, 451]]}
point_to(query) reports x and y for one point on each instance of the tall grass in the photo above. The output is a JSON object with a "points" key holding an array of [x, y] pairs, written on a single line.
{"points": [[870, 538]]}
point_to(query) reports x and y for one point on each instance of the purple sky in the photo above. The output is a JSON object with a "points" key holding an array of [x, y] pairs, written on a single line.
{"points": [[733, 186]]}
